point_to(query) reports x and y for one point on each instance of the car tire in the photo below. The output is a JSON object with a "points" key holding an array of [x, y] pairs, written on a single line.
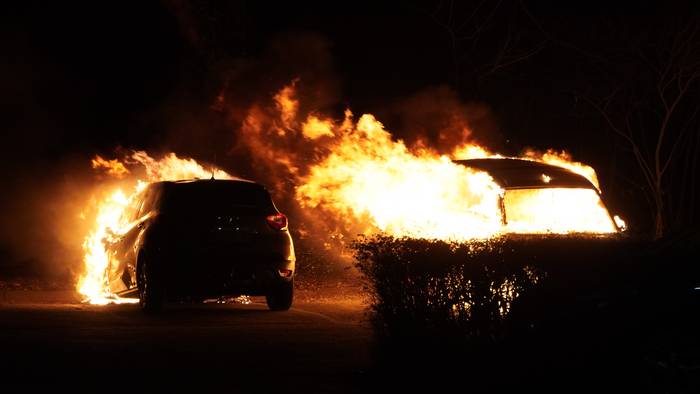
{"points": [[281, 296], [150, 286]]}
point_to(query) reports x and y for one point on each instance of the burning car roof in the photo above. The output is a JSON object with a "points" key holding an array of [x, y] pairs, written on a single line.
{"points": [[519, 174]]}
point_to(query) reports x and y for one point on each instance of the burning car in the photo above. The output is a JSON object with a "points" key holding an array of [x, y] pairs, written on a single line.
{"points": [[201, 239], [543, 198]]}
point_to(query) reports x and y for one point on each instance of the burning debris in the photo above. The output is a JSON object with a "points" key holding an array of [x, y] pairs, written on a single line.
{"points": [[350, 177]]}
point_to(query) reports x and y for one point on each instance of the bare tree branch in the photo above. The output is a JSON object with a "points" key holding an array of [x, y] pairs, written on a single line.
{"points": [[679, 139]]}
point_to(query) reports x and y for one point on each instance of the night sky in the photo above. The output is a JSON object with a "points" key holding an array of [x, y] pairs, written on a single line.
{"points": [[81, 76], [84, 78]]}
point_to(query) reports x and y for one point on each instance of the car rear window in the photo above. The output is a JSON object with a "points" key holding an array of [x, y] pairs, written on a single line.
{"points": [[215, 195]]}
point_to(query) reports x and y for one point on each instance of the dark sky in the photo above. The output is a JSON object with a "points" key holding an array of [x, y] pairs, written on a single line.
{"points": [[84, 75], [88, 75]]}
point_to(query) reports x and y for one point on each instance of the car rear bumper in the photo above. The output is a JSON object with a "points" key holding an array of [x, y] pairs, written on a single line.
{"points": [[231, 279], [217, 271]]}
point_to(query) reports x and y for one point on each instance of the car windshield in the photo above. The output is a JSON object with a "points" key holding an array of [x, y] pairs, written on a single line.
{"points": [[556, 210], [215, 196]]}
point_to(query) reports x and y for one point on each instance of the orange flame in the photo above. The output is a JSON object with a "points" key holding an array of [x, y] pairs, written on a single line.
{"points": [[363, 181], [556, 210], [378, 182], [367, 178], [473, 151], [110, 220], [288, 106], [113, 168], [315, 127], [354, 175]]}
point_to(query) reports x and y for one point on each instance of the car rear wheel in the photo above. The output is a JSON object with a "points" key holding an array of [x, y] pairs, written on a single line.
{"points": [[151, 289], [281, 296]]}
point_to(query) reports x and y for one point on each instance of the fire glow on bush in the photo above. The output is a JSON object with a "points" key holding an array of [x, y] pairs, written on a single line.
{"points": [[364, 181]]}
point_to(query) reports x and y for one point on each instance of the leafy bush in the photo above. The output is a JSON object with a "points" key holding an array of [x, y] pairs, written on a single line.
{"points": [[522, 307], [473, 291]]}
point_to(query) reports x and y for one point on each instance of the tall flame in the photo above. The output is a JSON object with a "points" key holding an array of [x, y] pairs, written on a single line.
{"points": [[364, 181], [372, 179]]}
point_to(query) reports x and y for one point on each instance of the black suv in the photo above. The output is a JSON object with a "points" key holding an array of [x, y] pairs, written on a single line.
{"points": [[201, 239]]}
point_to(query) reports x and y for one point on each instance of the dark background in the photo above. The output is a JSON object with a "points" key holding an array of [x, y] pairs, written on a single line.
{"points": [[84, 78]]}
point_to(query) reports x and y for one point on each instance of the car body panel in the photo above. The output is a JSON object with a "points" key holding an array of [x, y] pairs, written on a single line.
{"points": [[205, 245], [518, 173]]}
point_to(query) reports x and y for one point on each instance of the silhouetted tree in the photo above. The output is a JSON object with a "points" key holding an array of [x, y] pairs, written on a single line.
{"points": [[652, 107], [485, 38]]}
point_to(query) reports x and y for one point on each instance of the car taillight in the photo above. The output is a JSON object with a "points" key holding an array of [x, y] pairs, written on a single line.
{"points": [[278, 221], [285, 273]]}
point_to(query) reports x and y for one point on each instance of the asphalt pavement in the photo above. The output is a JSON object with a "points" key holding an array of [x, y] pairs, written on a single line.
{"points": [[53, 339]]}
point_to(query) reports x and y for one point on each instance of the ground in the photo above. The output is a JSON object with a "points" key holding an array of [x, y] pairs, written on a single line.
{"points": [[321, 345], [324, 344]]}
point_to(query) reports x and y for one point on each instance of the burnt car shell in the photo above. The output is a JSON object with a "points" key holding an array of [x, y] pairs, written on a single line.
{"points": [[207, 238], [518, 173], [514, 174]]}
